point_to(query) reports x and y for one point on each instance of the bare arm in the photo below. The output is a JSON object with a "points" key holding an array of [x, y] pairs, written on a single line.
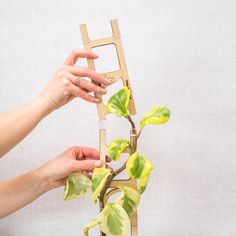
{"points": [[60, 90], [22, 190], [17, 123]]}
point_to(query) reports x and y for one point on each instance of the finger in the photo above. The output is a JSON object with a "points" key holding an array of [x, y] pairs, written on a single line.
{"points": [[89, 86], [92, 87], [78, 92], [86, 165], [90, 153], [73, 80], [82, 152], [108, 159], [76, 54], [86, 72]]}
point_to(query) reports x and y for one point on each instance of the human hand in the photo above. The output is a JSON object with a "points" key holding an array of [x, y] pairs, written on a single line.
{"points": [[72, 160], [66, 84]]}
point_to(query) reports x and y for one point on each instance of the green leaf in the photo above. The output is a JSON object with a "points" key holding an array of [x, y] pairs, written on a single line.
{"points": [[116, 147], [98, 180], [118, 103], [143, 183], [90, 225], [77, 185], [138, 166], [129, 199], [114, 220], [158, 115]]}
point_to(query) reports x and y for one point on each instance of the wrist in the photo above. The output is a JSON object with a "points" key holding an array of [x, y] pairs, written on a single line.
{"points": [[43, 106], [40, 181]]}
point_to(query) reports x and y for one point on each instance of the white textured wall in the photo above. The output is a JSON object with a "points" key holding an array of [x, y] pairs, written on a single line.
{"points": [[180, 54]]}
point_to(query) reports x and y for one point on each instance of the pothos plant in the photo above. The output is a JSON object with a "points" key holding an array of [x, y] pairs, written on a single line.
{"points": [[114, 217]]}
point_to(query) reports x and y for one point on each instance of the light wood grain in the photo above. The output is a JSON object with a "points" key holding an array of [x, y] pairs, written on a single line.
{"points": [[115, 76]]}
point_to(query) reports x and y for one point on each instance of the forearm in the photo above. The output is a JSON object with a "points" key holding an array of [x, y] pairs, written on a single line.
{"points": [[20, 191], [17, 123]]}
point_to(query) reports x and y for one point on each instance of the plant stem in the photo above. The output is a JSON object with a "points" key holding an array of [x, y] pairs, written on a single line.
{"points": [[103, 191], [119, 170], [133, 146], [129, 118]]}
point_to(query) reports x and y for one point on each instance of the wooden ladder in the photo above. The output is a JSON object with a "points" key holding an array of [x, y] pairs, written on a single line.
{"points": [[115, 76]]}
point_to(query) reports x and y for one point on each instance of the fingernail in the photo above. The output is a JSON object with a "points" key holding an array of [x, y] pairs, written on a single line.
{"points": [[97, 100], [97, 163]]}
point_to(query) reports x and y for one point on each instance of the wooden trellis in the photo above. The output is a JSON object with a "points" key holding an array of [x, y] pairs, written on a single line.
{"points": [[115, 76]]}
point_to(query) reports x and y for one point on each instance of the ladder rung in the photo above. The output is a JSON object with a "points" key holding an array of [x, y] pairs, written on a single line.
{"points": [[114, 75], [128, 182], [101, 42]]}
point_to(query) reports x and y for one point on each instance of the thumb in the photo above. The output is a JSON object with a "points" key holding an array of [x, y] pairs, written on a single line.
{"points": [[86, 165]]}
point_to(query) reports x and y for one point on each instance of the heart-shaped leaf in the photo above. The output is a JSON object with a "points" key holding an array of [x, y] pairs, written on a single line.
{"points": [[158, 115], [129, 199], [138, 166], [98, 180], [114, 220], [118, 103], [116, 147], [77, 185]]}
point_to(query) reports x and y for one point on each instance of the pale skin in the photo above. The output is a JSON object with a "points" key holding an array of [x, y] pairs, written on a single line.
{"points": [[16, 124]]}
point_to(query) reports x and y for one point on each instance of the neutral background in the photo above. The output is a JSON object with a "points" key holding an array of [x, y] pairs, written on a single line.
{"points": [[180, 54]]}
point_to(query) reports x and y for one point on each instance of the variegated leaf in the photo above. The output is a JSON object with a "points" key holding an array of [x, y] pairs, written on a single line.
{"points": [[118, 103], [129, 199], [158, 115], [114, 220], [77, 185], [98, 180], [138, 166], [143, 183], [90, 225], [116, 147]]}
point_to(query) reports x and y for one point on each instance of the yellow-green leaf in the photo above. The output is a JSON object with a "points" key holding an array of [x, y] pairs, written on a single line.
{"points": [[77, 185], [118, 103], [90, 225], [143, 183], [129, 199], [138, 166], [116, 147], [158, 115], [114, 220], [98, 180]]}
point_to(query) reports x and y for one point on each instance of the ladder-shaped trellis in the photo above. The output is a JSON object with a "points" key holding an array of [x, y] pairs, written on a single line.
{"points": [[115, 76]]}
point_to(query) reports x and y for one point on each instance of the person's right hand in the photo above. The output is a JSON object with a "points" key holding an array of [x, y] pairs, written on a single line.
{"points": [[74, 159], [63, 87]]}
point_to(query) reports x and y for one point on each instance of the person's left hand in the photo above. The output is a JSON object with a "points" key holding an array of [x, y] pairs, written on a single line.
{"points": [[73, 159]]}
